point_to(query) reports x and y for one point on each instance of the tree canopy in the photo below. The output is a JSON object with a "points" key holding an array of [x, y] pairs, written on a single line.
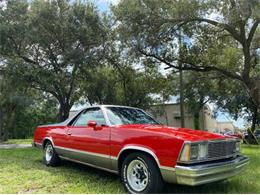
{"points": [[53, 45], [221, 36], [55, 54]]}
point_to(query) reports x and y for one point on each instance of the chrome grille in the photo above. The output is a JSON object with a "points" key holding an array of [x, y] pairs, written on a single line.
{"points": [[221, 149]]}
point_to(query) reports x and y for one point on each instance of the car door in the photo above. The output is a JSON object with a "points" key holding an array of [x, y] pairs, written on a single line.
{"points": [[88, 144]]}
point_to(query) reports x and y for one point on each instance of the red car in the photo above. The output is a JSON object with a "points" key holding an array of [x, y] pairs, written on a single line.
{"points": [[129, 142]]}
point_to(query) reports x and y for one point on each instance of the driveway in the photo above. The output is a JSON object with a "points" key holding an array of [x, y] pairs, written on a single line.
{"points": [[10, 146]]}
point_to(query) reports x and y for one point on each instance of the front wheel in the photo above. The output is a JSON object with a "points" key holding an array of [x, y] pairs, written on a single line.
{"points": [[140, 174], [50, 157]]}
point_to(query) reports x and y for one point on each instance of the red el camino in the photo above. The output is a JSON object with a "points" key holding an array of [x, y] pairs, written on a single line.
{"points": [[129, 142]]}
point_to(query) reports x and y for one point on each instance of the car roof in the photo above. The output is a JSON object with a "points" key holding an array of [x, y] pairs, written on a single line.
{"points": [[108, 105], [66, 122]]}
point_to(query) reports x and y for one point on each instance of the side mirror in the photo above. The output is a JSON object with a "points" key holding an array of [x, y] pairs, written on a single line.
{"points": [[92, 124]]}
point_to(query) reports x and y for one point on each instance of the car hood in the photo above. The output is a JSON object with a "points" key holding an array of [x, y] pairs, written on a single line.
{"points": [[180, 133]]}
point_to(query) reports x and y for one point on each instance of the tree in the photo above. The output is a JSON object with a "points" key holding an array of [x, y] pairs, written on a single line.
{"points": [[22, 108], [198, 91], [231, 98], [129, 87], [3, 133], [151, 29], [120, 80], [52, 45]]}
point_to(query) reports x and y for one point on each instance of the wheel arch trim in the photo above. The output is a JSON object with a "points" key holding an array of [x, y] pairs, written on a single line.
{"points": [[139, 148], [47, 139]]}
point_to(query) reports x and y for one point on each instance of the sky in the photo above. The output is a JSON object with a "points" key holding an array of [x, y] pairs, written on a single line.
{"points": [[225, 116], [103, 5]]}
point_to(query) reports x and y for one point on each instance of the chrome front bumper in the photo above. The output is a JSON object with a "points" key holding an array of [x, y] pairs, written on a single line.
{"points": [[205, 173]]}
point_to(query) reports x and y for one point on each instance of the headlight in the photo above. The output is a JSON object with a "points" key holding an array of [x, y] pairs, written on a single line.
{"points": [[194, 152], [203, 151]]}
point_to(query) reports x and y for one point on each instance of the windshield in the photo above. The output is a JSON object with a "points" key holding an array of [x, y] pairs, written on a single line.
{"points": [[124, 115]]}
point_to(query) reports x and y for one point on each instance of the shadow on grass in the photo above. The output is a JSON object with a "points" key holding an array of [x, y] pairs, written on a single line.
{"points": [[78, 174], [213, 188], [216, 187], [77, 168]]}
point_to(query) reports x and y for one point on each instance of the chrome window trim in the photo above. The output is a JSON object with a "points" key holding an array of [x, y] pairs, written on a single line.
{"points": [[108, 106], [85, 110], [102, 107], [105, 115], [75, 118]]}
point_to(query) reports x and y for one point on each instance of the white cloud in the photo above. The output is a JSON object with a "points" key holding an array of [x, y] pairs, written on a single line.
{"points": [[108, 2], [3, 4]]}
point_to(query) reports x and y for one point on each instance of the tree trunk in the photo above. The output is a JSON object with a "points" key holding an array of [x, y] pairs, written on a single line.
{"points": [[254, 90], [196, 120], [166, 117], [89, 101], [10, 122], [3, 135], [3, 132], [255, 119], [64, 111]]}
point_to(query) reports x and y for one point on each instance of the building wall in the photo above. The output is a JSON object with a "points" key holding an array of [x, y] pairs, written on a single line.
{"points": [[169, 114], [210, 123], [225, 126]]}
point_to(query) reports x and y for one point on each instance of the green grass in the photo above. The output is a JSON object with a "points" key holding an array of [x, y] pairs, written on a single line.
{"points": [[22, 171], [19, 141]]}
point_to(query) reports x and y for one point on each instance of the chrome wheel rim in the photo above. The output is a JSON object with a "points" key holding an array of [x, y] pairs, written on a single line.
{"points": [[137, 175], [48, 153]]}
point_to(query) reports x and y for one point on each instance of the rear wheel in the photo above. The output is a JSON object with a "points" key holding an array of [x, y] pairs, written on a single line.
{"points": [[50, 157], [140, 174]]}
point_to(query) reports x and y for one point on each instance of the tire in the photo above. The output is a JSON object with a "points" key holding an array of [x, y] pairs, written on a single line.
{"points": [[140, 174], [50, 157]]}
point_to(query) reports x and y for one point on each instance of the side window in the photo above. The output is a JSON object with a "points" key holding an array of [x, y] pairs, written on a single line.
{"points": [[92, 114]]}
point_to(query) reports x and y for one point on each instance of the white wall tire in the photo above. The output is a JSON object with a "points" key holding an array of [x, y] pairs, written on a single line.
{"points": [[50, 157], [140, 174]]}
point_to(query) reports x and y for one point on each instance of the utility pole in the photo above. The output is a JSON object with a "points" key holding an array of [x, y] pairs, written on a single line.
{"points": [[181, 81]]}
